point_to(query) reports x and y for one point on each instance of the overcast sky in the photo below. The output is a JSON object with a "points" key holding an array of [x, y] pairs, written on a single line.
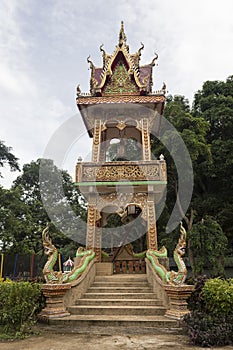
{"points": [[44, 45]]}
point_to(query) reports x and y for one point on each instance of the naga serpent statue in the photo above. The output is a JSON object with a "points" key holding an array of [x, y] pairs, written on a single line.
{"points": [[52, 276], [170, 277]]}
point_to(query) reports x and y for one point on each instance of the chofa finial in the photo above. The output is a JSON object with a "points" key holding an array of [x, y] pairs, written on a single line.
{"points": [[122, 36], [78, 90], [164, 88], [104, 55], [154, 59], [90, 62]]}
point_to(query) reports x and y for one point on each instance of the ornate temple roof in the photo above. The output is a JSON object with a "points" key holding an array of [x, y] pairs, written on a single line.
{"points": [[120, 81], [121, 73]]}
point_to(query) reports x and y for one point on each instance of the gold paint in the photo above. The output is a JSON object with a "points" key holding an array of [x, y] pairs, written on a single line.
{"points": [[120, 99], [121, 125]]}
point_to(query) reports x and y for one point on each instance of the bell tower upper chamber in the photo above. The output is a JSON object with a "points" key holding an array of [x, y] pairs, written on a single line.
{"points": [[122, 115]]}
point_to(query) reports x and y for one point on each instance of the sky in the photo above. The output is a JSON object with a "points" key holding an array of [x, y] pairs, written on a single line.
{"points": [[44, 45]]}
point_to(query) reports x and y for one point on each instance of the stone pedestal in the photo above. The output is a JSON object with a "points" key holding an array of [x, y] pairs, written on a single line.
{"points": [[178, 296], [54, 294]]}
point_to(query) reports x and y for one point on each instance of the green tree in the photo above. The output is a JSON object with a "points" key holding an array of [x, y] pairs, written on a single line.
{"points": [[214, 103], [24, 216], [8, 221], [7, 158], [208, 244], [194, 129]]}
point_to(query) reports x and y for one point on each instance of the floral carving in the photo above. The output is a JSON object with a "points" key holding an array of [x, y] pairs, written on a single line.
{"points": [[119, 172]]}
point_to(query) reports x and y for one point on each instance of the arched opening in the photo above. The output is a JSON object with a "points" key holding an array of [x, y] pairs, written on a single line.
{"points": [[121, 141], [123, 149], [121, 227]]}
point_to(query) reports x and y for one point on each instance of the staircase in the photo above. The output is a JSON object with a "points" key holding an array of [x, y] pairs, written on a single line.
{"points": [[118, 304]]}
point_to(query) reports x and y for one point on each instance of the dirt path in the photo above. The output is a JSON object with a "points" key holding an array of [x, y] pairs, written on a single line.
{"points": [[57, 341]]}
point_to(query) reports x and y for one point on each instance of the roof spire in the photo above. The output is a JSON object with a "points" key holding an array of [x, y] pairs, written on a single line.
{"points": [[122, 36]]}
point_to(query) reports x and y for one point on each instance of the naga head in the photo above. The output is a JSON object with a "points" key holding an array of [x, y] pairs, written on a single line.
{"points": [[181, 246], [49, 248]]}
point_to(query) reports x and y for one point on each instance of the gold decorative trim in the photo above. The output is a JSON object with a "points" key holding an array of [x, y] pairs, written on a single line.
{"points": [[91, 222], [121, 125], [152, 231], [89, 100], [118, 172], [96, 140], [146, 139]]}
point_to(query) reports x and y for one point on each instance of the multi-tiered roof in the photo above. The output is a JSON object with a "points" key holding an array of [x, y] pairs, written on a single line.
{"points": [[121, 73], [121, 79]]}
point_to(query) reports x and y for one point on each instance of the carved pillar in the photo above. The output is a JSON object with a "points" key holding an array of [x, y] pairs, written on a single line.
{"points": [[151, 224], [91, 219], [98, 241], [145, 139], [96, 141]]}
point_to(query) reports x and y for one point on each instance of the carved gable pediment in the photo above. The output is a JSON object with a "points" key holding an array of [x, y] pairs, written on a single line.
{"points": [[120, 82], [126, 253]]}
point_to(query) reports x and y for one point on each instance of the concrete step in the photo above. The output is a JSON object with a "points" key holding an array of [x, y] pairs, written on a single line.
{"points": [[116, 310], [119, 289], [117, 304], [119, 323], [120, 302], [128, 295], [122, 278], [121, 284]]}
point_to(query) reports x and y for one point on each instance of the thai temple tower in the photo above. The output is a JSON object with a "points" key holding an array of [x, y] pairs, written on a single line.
{"points": [[122, 184], [122, 115]]}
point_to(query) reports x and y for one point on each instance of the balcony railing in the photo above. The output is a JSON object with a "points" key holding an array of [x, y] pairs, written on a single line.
{"points": [[154, 170]]}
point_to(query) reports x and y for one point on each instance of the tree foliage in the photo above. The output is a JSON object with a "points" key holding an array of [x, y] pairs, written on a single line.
{"points": [[208, 244], [214, 103], [20, 302], [6, 157], [210, 322], [206, 129], [193, 131], [23, 216]]}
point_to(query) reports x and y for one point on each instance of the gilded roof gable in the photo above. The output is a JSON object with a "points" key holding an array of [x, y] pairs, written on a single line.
{"points": [[121, 72]]}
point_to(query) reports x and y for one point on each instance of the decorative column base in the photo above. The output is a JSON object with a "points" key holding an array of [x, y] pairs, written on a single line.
{"points": [[178, 296], [54, 294]]}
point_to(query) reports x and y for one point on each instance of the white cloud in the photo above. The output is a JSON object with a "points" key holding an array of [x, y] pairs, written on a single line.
{"points": [[16, 82]]}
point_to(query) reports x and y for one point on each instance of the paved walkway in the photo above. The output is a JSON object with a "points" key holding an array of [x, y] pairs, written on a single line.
{"points": [[57, 341]]}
